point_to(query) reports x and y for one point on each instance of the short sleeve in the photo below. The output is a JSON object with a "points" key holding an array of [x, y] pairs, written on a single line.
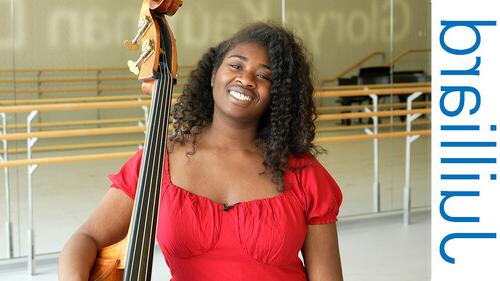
{"points": [[323, 196], [126, 179]]}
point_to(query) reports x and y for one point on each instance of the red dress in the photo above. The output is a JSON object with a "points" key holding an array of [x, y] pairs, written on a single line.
{"points": [[254, 240]]}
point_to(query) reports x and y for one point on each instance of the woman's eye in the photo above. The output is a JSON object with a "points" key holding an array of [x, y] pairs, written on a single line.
{"points": [[263, 76], [235, 66]]}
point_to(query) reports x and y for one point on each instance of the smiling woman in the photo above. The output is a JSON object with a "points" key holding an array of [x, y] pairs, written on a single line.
{"points": [[242, 192]]}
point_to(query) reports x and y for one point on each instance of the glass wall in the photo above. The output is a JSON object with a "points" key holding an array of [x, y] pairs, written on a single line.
{"points": [[68, 51]]}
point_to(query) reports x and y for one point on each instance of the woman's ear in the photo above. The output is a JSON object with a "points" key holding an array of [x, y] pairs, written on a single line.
{"points": [[212, 79]]}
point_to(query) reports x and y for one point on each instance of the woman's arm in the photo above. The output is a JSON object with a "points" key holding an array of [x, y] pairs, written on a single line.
{"points": [[321, 253], [107, 225]]}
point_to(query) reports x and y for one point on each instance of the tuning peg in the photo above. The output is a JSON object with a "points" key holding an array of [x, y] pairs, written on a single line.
{"points": [[147, 50], [133, 67], [144, 24]]}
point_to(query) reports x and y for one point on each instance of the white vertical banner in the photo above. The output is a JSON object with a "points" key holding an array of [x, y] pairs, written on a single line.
{"points": [[465, 140]]}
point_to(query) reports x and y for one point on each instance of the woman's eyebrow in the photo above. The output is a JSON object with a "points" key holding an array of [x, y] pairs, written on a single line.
{"points": [[243, 58]]}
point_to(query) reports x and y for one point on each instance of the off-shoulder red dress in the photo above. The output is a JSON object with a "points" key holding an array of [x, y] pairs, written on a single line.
{"points": [[255, 240]]}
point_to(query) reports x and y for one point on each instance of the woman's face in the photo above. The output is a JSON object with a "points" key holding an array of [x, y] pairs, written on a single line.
{"points": [[241, 84]]}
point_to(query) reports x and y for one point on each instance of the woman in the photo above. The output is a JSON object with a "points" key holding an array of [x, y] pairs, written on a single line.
{"points": [[242, 193]]}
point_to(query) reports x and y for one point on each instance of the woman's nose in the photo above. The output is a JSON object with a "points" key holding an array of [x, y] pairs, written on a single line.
{"points": [[246, 80]]}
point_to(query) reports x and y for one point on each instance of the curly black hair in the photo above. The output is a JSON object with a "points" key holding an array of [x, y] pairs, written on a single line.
{"points": [[287, 127]]}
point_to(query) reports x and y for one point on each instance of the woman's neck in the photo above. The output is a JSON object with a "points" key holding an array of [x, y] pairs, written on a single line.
{"points": [[228, 136]]}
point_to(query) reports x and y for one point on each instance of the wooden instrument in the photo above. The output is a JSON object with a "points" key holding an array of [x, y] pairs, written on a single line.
{"points": [[131, 259]]}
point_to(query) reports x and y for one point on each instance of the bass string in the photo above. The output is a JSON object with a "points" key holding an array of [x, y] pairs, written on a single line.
{"points": [[149, 182], [158, 146], [160, 142]]}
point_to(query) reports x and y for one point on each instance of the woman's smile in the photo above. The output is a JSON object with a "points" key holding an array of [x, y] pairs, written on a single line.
{"points": [[239, 96], [242, 96]]}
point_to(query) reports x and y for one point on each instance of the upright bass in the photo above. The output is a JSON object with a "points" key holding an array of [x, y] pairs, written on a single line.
{"points": [[131, 259]]}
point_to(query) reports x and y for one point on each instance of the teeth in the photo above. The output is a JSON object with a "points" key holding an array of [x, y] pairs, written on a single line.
{"points": [[239, 96]]}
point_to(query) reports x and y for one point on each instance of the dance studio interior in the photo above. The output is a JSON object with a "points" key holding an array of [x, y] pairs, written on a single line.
{"points": [[72, 112]]}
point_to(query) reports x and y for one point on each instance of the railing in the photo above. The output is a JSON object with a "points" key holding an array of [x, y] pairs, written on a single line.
{"points": [[365, 58], [368, 91], [373, 86], [65, 81], [405, 53]]}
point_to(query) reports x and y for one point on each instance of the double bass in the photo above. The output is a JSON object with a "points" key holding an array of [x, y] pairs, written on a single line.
{"points": [[131, 259]]}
